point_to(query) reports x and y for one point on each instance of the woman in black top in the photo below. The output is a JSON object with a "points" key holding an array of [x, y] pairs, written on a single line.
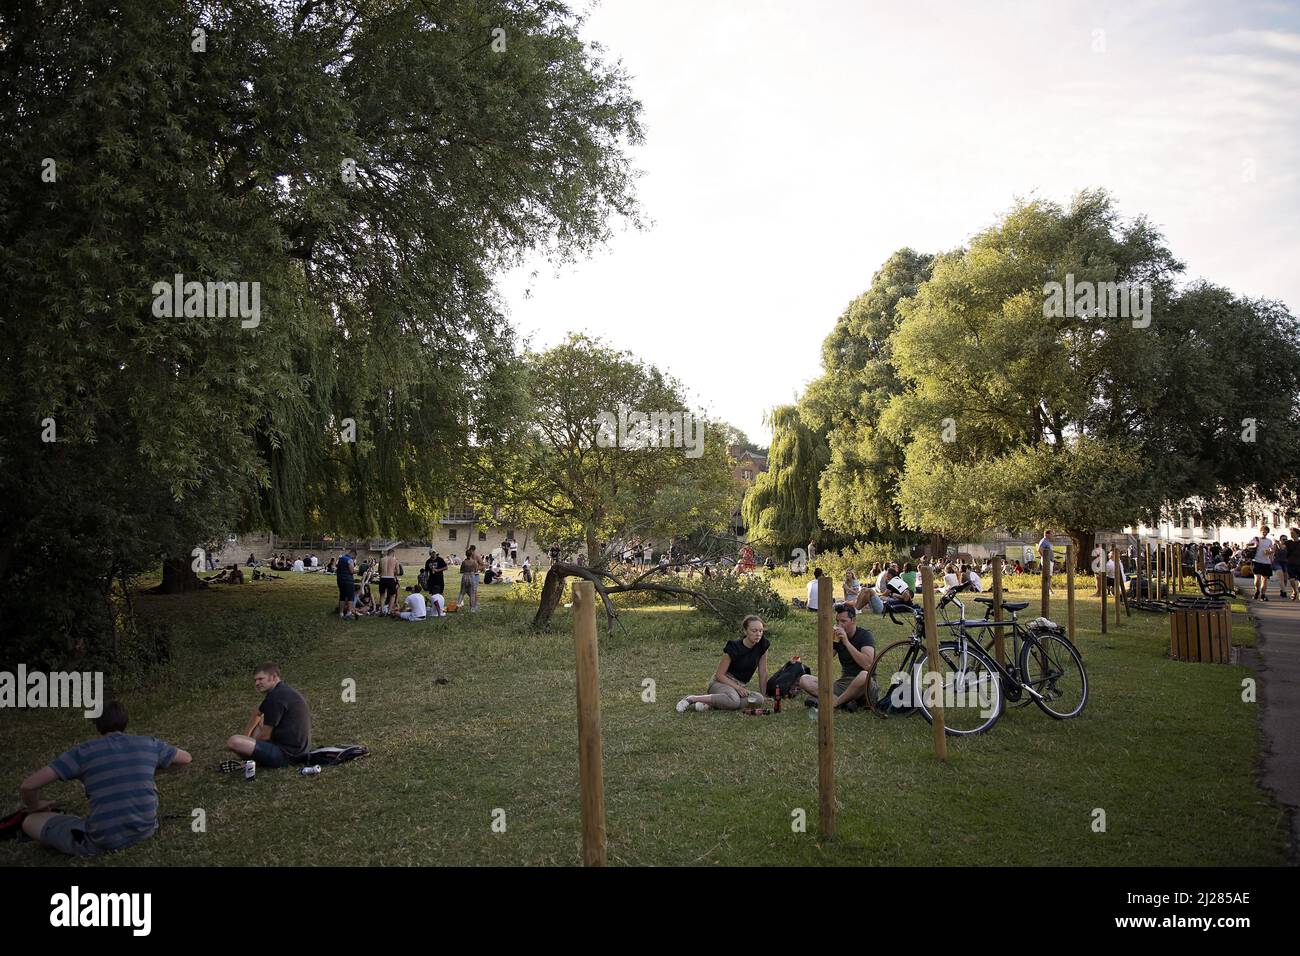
{"points": [[740, 658]]}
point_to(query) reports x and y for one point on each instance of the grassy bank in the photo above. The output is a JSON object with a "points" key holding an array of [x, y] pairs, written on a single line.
{"points": [[1168, 750]]}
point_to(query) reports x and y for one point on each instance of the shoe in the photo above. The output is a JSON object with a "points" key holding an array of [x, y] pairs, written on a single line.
{"points": [[849, 706], [701, 706], [683, 705], [810, 701]]}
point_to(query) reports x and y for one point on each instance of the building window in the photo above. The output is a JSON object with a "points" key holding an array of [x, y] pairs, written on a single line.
{"points": [[748, 474], [451, 534]]}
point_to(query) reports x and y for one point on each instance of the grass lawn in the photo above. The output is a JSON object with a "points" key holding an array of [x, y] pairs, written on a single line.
{"points": [[1168, 750]]}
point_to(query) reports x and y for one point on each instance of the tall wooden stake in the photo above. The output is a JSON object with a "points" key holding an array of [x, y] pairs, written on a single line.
{"points": [[1101, 586], [1047, 583], [1069, 591], [591, 776], [1145, 569], [932, 655], [999, 646], [1119, 583], [826, 707]]}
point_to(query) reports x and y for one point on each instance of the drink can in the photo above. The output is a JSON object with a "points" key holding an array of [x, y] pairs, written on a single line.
{"points": [[250, 770], [310, 771]]}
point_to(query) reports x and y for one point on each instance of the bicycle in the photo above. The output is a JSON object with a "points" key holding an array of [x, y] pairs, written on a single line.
{"points": [[1046, 668]]}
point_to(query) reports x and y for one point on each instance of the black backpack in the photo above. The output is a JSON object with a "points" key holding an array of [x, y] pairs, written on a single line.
{"points": [[330, 756], [787, 678]]}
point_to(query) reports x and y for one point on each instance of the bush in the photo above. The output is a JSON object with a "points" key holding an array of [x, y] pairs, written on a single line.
{"points": [[735, 598]]}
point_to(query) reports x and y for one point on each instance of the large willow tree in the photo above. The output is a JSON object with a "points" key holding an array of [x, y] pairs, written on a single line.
{"points": [[781, 509], [370, 165]]}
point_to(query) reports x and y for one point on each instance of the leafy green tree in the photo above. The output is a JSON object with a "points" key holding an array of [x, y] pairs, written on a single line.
{"points": [[368, 166], [781, 509], [605, 452], [847, 401], [1019, 418]]}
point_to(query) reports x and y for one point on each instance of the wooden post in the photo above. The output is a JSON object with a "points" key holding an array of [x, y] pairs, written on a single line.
{"points": [[826, 707], [1119, 584], [932, 655], [999, 647], [1162, 559], [1069, 592], [1145, 569], [1046, 569], [1101, 586], [591, 778]]}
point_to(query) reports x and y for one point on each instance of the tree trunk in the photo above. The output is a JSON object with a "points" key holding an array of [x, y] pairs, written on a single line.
{"points": [[1084, 542], [938, 546], [552, 592], [178, 578]]}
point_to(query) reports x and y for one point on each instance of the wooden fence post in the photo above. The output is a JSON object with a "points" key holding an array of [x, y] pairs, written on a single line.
{"points": [[591, 777], [1146, 568], [1069, 592], [932, 655], [1046, 569], [999, 647], [1119, 584], [826, 707]]}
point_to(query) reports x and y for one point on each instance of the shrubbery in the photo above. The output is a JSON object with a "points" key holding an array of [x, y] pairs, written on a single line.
{"points": [[734, 598]]}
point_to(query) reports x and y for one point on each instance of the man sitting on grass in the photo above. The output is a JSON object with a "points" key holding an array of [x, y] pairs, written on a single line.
{"points": [[415, 607], [891, 586], [856, 649], [118, 773], [279, 732]]}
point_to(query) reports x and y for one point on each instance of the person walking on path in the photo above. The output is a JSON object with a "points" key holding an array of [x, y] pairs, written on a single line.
{"points": [[1263, 548]]}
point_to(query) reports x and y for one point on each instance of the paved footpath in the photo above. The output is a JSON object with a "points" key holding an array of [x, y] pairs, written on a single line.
{"points": [[1279, 695]]}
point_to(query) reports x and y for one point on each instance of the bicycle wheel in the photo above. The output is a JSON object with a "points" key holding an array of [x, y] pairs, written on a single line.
{"points": [[891, 678], [1051, 665], [969, 683]]}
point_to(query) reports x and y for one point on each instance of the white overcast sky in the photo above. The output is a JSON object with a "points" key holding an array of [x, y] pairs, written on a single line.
{"points": [[792, 145]]}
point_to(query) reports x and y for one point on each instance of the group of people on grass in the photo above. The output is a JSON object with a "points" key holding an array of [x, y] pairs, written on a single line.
{"points": [[742, 657], [894, 583], [117, 770], [356, 600]]}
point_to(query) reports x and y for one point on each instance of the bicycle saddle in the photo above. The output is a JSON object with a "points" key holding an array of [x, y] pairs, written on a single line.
{"points": [[1006, 605]]}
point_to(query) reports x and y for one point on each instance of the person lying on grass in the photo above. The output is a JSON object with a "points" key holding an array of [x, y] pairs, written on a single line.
{"points": [[740, 658], [279, 732], [856, 649], [117, 771]]}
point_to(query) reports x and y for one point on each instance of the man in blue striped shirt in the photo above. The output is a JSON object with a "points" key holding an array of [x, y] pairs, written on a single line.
{"points": [[117, 771]]}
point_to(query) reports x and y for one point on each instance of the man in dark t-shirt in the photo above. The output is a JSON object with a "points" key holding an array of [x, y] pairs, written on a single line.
{"points": [[347, 588], [279, 733], [856, 649]]}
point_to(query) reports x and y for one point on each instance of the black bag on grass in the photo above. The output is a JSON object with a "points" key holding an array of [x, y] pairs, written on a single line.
{"points": [[329, 756], [787, 678]]}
